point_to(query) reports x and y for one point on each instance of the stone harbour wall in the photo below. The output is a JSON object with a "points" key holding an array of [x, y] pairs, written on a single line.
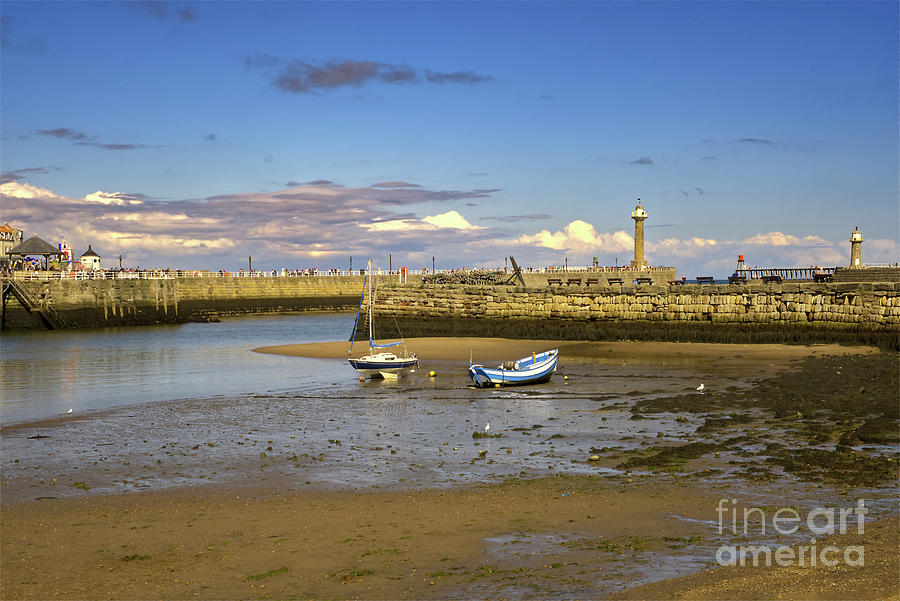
{"points": [[99, 303], [877, 305], [872, 306], [743, 314], [660, 312]]}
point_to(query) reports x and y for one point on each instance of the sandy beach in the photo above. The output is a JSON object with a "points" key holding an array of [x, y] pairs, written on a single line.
{"points": [[744, 358], [605, 483], [464, 543]]}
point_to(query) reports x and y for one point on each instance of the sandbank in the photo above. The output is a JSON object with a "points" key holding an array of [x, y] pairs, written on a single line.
{"points": [[499, 349]]}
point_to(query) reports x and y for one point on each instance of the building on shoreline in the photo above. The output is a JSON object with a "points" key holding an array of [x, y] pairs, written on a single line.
{"points": [[90, 260], [10, 237]]}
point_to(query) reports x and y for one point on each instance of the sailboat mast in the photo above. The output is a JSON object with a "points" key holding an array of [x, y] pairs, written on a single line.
{"points": [[371, 300]]}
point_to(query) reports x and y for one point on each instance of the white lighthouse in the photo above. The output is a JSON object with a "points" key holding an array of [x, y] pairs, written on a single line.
{"points": [[856, 249], [639, 215]]}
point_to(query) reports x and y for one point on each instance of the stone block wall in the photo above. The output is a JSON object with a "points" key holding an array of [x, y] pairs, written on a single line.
{"points": [[96, 303], [867, 274], [844, 306], [875, 306]]}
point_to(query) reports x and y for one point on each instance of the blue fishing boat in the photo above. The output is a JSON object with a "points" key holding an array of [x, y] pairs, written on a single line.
{"points": [[377, 364], [534, 369]]}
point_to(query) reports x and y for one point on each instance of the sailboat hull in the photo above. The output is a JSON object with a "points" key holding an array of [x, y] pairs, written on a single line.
{"points": [[382, 367]]}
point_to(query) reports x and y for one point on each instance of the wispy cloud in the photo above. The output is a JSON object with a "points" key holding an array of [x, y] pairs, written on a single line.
{"points": [[20, 174], [780, 239], [62, 132], [396, 184], [111, 146], [464, 77], [302, 77], [261, 60], [514, 218], [299, 77], [163, 10], [642, 161], [747, 140], [315, 182], [82, 139]]}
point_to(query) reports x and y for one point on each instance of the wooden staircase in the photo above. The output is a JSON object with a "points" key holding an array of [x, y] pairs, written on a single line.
{"points": [[52, 320]]}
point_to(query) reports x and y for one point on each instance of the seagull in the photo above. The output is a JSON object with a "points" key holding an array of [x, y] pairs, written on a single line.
{"points": [[69, 411], [701, 387], [487, 427]]}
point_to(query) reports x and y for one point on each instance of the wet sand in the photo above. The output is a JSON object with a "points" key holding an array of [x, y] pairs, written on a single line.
{"points": [[257, 513], [554, 537], [745, 357], [878, 579]]}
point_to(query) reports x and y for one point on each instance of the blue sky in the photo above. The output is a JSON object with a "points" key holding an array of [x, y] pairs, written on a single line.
{"points": [[195, 134]]}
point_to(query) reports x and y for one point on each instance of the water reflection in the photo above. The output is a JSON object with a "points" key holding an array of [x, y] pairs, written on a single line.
{"points": [[47, 373]]}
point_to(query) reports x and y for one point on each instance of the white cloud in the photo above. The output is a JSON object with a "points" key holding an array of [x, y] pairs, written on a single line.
{"points": [[579, 236], [112, 198], [163, 242], [393, 225], [780, 239], [879, 250], [25, 191], [449, 220], [690, 247], [452, 220]]}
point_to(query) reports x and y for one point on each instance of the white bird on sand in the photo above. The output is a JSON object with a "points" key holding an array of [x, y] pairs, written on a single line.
{"points": [[487, 427], [701, 387], [69, 411]]}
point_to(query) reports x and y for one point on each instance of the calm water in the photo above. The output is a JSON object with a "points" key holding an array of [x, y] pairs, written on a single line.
{"points": [[44, 374]]}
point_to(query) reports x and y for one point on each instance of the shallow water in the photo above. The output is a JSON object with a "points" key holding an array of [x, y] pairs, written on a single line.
{"points": [[338, 431], [44, 374]]}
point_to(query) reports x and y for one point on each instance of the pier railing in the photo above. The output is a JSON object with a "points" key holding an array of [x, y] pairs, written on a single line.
{"points": [[802, 274], [168, 274]]}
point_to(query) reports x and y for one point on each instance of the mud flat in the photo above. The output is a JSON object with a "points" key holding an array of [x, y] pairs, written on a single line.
{"points": [[877, 579], [547, 538], [584, 487]]}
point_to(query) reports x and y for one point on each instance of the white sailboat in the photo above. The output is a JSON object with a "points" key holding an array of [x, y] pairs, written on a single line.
{"points": [[377, 363]]}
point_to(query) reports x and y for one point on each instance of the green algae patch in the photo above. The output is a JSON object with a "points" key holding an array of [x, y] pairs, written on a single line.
{"points": [[669, 457], [842, 465]]}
